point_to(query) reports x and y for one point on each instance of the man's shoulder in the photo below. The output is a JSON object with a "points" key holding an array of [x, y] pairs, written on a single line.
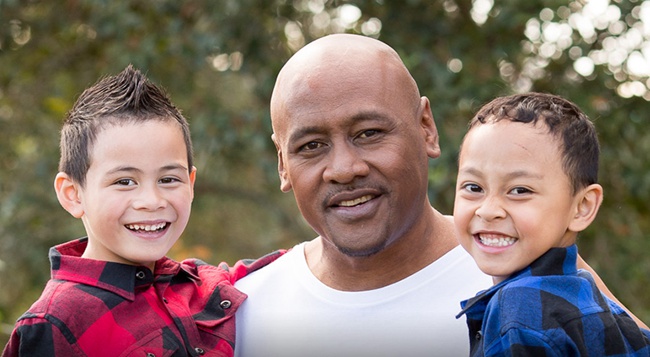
{"points": [[281, 264], [458, 264], [224, 273]]}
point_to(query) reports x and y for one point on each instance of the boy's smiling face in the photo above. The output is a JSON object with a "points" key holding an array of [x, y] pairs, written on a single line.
{"points": [[138, 193], [514, 200]]}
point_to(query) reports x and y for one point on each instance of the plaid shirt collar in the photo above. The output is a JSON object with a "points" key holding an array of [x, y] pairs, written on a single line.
{"points": [[121, 279], [557, 261]]}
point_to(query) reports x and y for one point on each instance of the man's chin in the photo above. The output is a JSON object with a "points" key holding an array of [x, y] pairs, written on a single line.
{"points": [[361, 252]]}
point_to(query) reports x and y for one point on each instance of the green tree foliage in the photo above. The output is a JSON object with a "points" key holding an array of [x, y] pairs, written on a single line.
{"points": [[218, 60]]}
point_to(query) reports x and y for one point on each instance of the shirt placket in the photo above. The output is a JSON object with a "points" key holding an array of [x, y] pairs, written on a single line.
{"points": [[182, 317]]}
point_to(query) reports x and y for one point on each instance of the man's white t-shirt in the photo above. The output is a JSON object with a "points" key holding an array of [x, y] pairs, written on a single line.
{"points": [[290, 313]]}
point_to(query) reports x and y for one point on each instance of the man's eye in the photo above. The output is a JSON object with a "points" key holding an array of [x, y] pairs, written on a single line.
{"points": [[312, 145], [368, 133]]}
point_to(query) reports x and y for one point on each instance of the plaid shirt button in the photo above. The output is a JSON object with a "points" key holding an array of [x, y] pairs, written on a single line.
{"points": [[225, 304], [199, 350], [149, 354], [140, 275]]}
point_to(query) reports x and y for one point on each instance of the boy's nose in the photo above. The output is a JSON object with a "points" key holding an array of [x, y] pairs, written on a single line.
{"points": [[490, 209], [150, 198]]}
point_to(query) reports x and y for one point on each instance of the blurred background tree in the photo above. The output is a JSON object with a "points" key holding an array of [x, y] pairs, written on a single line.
{"points": [[218, 60]]}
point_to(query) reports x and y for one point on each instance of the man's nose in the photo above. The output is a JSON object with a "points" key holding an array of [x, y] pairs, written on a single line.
{"points": [[345, 163]]}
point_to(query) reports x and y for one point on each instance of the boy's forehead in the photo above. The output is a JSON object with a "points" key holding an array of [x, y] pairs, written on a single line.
{"points": [[113, 130], [145, 146], [516, 129], [508, 142]]}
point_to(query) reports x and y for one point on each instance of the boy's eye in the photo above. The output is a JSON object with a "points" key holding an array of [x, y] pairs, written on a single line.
{"points": [[168, 180], [125, 182], [472, 187], [520, 191]]}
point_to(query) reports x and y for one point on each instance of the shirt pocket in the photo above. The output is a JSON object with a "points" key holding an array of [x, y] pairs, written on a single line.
{"points": [[155, 344], [217, 315]]}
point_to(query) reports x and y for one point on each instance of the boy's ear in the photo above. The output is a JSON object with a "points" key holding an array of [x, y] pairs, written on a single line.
{"points": [[192, 180], [68, 194], [589, 201]]}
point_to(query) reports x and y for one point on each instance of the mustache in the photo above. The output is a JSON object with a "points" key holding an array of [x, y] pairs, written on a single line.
{"points": [[361, 188]]}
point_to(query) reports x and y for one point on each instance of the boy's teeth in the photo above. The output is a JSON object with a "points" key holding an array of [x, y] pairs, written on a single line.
{"points": [[356, 201], [497, 241], [147, 228]]}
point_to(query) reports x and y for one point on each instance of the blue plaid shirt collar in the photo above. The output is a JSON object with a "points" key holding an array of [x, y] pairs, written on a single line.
{"points": [[556, 261]]}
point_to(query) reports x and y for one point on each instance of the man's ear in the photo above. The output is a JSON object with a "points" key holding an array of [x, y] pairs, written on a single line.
{"points": [[429, 127], [589, 200], [68, 193], [285, 184]]}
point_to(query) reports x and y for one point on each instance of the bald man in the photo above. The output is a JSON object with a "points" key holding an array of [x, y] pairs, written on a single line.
{"points": [[385, 275]]}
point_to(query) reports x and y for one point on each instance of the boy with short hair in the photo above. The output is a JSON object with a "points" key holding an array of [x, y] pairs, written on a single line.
{"points": [[126, 171], [527, 185]]}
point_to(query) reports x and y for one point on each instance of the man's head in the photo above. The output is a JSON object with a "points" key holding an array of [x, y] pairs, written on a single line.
{"points": [[128, 97], [353, 137], [526, 181]]}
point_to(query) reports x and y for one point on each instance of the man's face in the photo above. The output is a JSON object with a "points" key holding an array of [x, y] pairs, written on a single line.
{"points": [[352, 147]]}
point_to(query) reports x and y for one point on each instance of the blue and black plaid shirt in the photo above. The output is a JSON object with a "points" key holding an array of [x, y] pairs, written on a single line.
{"points": [[551, 309]]}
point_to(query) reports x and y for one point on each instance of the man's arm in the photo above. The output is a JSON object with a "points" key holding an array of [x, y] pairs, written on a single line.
{"points": [[603, 288]]}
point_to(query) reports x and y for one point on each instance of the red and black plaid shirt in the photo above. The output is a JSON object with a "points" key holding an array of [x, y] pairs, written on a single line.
{"points": [[98, 308]]}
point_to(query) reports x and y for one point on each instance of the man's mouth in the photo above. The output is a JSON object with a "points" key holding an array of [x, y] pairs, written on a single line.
{"points": [[493, 240], [147, 227], [356, 201]]}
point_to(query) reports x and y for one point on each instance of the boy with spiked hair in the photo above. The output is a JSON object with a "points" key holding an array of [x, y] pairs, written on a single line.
{"points": [[126, 171]]}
